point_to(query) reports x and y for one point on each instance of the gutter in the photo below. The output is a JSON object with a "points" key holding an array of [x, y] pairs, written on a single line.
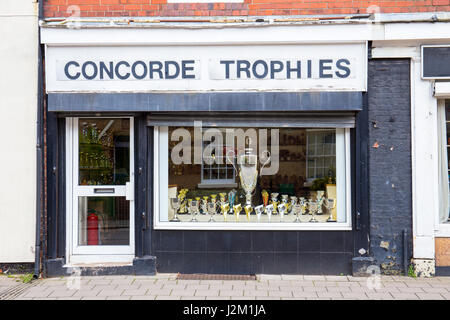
{"points": [[39, 153]]}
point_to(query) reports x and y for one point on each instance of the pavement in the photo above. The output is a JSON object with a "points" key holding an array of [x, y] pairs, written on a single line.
{"points": [[266, 287]]}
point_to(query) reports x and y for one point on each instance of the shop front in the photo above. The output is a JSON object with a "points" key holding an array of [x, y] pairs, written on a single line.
{"points": [[229, 157]]}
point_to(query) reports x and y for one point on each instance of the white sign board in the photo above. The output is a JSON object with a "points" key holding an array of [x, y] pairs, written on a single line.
{"points": [[318, 67]]}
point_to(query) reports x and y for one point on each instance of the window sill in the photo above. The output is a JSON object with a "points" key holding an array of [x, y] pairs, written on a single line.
{"points": [[251, 226], [443, 230]]}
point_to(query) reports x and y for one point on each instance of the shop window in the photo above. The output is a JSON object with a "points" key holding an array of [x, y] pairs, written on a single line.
{"points": [[251, 178]]}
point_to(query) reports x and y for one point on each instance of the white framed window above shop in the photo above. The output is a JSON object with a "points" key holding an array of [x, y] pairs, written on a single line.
{"points": [[267, 179]]}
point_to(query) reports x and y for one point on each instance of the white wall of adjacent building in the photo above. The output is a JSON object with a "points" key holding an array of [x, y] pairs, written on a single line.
{"points": [[18, 104]]}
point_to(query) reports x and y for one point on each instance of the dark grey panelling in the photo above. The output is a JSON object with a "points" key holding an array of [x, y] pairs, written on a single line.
{"points": [[389, 161], [212, 101], [249, 252]]}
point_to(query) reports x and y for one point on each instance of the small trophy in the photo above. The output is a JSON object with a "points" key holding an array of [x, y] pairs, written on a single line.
{"points": [[296, 210], [204, 206], [265, 197], [269, 210], [231, 199], [330, 204], [293, 202], [175, 203], [259, 210], [274, 201], [194, 210], [182, 197], [285, 200], [320, 200], [211, 211], [282, 209], [248, 209], [312, 205], [237, 210], [304, 204], [224, 208]]}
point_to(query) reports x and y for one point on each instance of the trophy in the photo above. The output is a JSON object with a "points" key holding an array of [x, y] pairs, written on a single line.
{"points": [[204, 205], [222, 196], [303, 203], [259, 210], [274, 201], [231, 199], [330, 204], [312, 205], [248, 173], [296, 210], [269, 210], [194, 210], [293, 202], [182, 198], [237, 210], [285, 200], [189, 208], [175, 203], [282, 209], [320, 200], [224, 208], [248, 209], [211, 211], [265, 197]]}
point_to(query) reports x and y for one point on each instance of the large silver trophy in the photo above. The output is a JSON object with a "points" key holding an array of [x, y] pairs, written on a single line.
{"points": [[248, 172]]}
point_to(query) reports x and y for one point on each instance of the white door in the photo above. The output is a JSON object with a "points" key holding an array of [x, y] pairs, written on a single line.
{"points": [[102, 187]]}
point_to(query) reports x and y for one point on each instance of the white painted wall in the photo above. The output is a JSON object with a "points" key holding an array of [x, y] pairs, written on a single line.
{"points": [[18, 101]]}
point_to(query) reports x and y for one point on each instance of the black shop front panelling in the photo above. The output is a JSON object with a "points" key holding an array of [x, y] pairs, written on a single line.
{"points": [[253, 252]]}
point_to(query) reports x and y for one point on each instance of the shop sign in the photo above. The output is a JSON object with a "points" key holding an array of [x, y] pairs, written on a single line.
{"points": [[142, 69]]}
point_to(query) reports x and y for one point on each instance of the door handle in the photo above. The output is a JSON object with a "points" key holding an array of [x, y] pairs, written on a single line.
{"points": [[104, 190], [129, 191]]}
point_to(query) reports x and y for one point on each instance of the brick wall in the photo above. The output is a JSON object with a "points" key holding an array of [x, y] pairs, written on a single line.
{"points": [[390, 203], [149, 8]]}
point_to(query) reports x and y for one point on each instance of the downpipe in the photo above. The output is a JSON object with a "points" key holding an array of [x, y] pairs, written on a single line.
{"points": [[39, 153]]}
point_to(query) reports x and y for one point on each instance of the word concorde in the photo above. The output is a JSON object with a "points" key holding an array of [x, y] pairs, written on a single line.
{"points": [[219, 69]]}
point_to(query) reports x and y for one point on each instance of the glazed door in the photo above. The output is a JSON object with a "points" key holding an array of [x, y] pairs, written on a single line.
{"points": [[103, 186]]}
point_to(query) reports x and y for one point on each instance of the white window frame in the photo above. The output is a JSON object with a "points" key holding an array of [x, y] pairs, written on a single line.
{"points": [[160, 191], [442, 228]]}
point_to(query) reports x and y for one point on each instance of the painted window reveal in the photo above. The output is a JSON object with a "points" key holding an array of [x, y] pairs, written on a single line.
{"points": [[230, 176]]}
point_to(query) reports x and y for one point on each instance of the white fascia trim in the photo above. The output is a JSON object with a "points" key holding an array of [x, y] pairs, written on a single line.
{"points": [[395, 52]]}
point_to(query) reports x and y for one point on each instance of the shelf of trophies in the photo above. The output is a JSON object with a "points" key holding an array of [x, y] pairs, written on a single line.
{"points": [[231, 208], [96, 163]]}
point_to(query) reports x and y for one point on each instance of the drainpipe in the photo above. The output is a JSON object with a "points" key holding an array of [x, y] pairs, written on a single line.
{"points": [[39, 153]]}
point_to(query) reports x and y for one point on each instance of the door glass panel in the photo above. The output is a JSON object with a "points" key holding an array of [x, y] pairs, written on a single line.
{"points": [[103, 221], [104, 151]]}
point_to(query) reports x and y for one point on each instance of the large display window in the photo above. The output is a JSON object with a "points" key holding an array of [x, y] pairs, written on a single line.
{"points": [[252, 178]]}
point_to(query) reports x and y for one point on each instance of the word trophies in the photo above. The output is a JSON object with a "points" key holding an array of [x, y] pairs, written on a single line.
{"points": [[330, 204], [259, 210], [175, 203], [211, 211], [312, 206], [194, 210], [282, 208]]}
